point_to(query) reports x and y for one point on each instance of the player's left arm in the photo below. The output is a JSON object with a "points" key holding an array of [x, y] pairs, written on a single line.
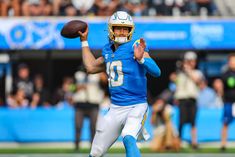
{"points": [[145, 60], [150, 65]]}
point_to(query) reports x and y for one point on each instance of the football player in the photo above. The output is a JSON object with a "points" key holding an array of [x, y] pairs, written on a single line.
{"points": [[126, 62]]}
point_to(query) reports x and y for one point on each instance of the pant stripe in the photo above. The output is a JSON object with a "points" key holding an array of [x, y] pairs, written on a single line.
{"points": [[142, 122]]}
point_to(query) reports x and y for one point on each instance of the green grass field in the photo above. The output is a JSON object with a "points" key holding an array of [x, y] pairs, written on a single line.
{"points": [[111, 151]]}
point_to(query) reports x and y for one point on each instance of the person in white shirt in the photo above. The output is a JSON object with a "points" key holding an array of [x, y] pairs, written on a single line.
{"points": [[187, 92]]}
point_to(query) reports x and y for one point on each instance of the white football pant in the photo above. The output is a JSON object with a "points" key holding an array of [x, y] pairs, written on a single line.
{"points": [[124, 120]]}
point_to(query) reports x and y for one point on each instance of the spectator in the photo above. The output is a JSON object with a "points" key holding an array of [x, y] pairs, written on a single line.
{"points": [[47, 7], [41, 96], [35, 100], [37, 8], [63, 95], [207, 96], [205, 7], [168, 93], [219, 90], [225, 7], [228, 79], [106, 7], [23, 81], [64, 8], [168, 7], [186, 93], [10, 7], [155, 7], [135, 7], [179, 8], [17, 99], [165, 134], [84, 7], [191, 7], [86, 101]]}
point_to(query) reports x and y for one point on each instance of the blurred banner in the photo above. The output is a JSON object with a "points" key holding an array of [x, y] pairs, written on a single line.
{"points": [[177, 34], [57, 125]]}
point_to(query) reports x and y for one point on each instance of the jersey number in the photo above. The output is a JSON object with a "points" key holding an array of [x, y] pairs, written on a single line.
{"points": [[115, 74]]}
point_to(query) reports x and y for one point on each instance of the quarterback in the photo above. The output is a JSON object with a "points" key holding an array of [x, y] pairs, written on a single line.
{"points": [[126, 62]]}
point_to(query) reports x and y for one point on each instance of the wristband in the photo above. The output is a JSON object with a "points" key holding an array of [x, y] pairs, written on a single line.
{"points": [[141, 61], [85, 44]]}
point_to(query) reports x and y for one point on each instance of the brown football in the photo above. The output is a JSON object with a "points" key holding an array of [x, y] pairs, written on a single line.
{"points": [[70, 29]]}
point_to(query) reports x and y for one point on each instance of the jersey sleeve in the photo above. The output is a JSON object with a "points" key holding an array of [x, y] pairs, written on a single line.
{"points": [[137, 42]]}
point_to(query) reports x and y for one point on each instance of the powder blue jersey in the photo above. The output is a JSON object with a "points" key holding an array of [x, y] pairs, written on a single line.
{"points": [[126, 77]]}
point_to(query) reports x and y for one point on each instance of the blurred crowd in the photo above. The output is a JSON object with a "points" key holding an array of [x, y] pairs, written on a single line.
{"points": [[108, 7], [188, 89], [30, 92]]}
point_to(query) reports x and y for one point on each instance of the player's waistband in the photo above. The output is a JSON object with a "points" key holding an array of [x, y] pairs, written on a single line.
{"points": [[129, 105], [128, 102]]}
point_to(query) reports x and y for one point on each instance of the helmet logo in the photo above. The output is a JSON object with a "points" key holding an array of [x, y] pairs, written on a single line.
{"points": [[129, 18], [115, 16]]}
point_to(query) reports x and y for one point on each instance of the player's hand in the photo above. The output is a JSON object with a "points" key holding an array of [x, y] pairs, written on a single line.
{"points": [[139, 50], [83, 36]]}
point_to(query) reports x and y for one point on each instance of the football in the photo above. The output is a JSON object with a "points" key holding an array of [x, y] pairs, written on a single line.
{"points": [[71, 29]]}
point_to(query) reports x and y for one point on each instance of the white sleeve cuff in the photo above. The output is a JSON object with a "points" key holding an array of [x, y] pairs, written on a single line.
{"points": [[141, 61]]}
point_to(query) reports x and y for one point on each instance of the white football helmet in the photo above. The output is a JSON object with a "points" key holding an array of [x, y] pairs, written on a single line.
{"points": [[120, 18]]}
